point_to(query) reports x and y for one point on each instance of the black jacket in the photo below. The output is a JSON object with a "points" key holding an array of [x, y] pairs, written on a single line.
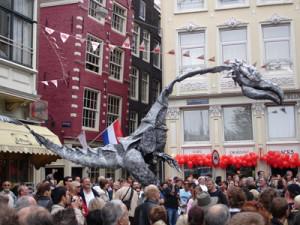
{"points": [[81, 194], [141, 214]]}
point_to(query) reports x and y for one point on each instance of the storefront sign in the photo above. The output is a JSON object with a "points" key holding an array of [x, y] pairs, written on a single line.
{"points": [[196, 150], [237, 151], [286, 149]]}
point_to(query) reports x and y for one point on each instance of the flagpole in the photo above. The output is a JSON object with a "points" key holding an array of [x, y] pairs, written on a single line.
{"points": [[92, 141]]}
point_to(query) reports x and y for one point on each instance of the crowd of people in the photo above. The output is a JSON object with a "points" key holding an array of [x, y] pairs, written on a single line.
{"points": [[191, 201]]}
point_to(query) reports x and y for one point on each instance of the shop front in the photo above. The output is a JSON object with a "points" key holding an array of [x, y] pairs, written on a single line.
{"points": [[20, 154]]}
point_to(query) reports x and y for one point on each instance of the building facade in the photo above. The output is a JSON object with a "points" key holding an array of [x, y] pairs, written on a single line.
{"points": [[20, 154], [84, 72], [146, 75], [209, 112]]}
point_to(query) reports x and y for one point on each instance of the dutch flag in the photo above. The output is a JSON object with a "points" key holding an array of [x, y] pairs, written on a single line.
{"points": [[112, 133]]}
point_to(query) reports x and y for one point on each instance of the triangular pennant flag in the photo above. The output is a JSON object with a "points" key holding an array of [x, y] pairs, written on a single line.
{"points": [[45, 82], [126, 43], [156, 50], [111, 47], [49, 30], [187, 54], [142, 46], [64, 37], [95, 45], [212, 59], [54, 82], [201, 57], [171, 52]]}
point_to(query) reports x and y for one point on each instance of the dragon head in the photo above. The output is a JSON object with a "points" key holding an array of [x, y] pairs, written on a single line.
{"points": [[252, 84]]}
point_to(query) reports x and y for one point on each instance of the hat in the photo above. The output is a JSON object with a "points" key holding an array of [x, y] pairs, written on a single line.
{"points": [[205, 201], [294, 189]]}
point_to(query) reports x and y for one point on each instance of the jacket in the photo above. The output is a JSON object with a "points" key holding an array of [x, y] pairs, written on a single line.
{"points": [[45, 202], [141, 215]]}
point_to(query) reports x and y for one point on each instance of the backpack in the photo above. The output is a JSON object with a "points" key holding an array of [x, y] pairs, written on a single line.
{"points": [[128, 202]]}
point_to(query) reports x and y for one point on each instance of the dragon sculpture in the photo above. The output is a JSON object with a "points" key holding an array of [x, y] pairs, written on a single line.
{"points": [[139, 152]]}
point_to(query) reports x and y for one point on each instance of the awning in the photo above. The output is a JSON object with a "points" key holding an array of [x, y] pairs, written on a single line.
{"points": [[17, 139]]}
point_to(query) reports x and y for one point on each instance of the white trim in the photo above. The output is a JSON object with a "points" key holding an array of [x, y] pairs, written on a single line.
{"points": [[123, 32], [74, 106], [136, 98], [77, 53], [75, 78], [146, 101], [75, 87], [75, 96], [100, 56], [17, 66], [182, 11], [273, 2], [138, 41], [122, 66], [147, 50], [120, 107], [219, 6], [59, 2], [73, 114]]}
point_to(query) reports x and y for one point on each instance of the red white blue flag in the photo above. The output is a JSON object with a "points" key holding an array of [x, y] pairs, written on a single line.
{"points": [[112, 133]]}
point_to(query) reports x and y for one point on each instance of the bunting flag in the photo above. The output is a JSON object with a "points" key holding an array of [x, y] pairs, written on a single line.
{"points": [[126, 43], [187, 54], [171, 52], [95, 45], [201, 57], [82, 139], [54, 82], [45, 82], [156, 50], [64, 37], [111, 47], [142, 46], [212, 59], [49, 30]]}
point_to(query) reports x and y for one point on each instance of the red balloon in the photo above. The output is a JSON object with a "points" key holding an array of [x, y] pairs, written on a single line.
{"points": [[190, 164]]}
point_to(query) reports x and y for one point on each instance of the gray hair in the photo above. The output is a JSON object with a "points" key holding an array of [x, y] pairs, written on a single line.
{"points": [[112, 212], [217, 215], [247, 218], [25, 201]]}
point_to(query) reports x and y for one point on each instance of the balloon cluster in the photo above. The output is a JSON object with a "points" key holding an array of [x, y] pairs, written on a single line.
{"points": [[194, 160], [281, 160]]}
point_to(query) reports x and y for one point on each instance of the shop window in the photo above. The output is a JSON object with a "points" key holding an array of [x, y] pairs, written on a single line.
{"points": [[237, 123], [198, 171], [196, 125], [281, 122]]}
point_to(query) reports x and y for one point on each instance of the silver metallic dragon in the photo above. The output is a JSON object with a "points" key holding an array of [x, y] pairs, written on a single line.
{"points": [[139, 152]]}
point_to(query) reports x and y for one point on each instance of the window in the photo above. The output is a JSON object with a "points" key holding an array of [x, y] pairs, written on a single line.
{"points": [[238, 123], [281, 122], [156, 56], [91, 104], [192, 43], [94, 7], [145, 88], [16, 31], [155, 89], [133, 121], [277, 46], [119, 19], [190, 4], [116, 64], [231, 3], [233, 44], [146, 40], [142, 12], [113, 109], [262, 2], [136, 40], [134, 84], [93, 58], [196, 125]]}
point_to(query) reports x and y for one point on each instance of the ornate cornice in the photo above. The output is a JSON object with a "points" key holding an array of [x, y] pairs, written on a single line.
{"points": [[232, 22], [173, 113], [276, 19], [190, 27], [215, 111], [258, 109]]}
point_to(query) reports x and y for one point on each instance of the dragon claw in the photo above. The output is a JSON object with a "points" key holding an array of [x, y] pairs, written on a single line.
{"points": [[167, 158]]}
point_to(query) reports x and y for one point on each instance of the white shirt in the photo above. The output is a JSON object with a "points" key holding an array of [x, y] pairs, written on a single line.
{"points": [[88, 197]]}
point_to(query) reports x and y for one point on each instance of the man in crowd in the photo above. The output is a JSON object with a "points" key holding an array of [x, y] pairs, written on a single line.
{"points": [[214, 192], [217, 215], [60, 199], [247, 218], [22, 191], [115, 213], [87, 193], [67, 181], [279, 210], [25, 201], [102, 188], [34, 215], [6, 186]]}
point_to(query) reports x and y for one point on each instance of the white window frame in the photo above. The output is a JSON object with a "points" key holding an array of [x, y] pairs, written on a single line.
{"points": [[270, 68], [155, 86], [219, 5], [183, 126], [89, 51], [147, 41], [273, 2], [133, 119], [145, 90], [245, 42], [252, 126], [178, 10], [143, 10], [114, 64], [122, 17], [113, 114], [136, 86], [95, 110], [91, 11], [136, 37], [182, 49], [274, 139], [158, 55]]}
